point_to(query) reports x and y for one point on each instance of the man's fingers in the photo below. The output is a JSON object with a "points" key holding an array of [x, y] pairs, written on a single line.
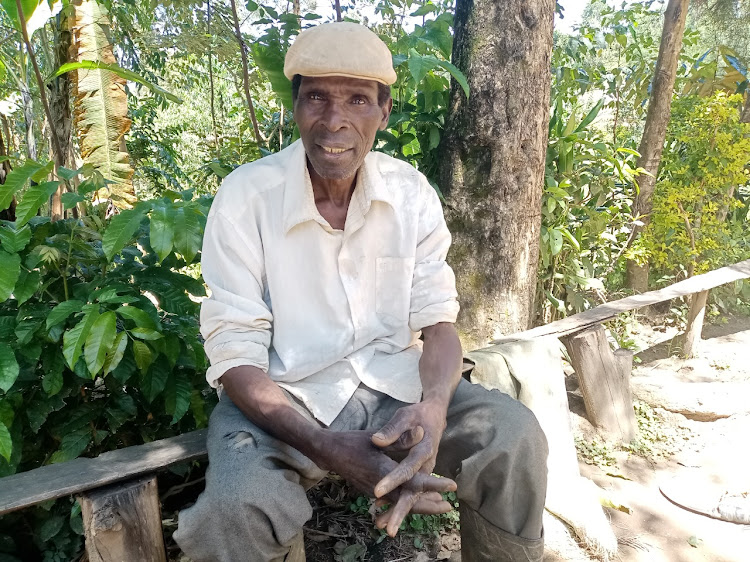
{"points": [[397, 513], [405, 470], [406, 441], [431, 507], [390, 432]]}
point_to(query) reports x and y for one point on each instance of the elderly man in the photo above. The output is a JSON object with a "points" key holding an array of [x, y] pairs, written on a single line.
{"points": [[325, 262]]}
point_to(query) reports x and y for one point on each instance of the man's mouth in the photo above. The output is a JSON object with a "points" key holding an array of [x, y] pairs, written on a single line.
{"points": [[333, 150]]}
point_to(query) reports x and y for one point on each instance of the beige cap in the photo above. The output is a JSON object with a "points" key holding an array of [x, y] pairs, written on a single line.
{"points": [[340, 49]]}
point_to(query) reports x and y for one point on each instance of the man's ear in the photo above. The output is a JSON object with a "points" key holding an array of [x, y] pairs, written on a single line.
{"points": [[387, 107]]}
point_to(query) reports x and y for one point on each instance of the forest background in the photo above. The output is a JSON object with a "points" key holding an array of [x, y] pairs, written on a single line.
{"points": [[108, 170]]}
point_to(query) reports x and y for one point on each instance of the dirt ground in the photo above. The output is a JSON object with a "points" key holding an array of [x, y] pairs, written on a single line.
{"points": [[701, 424], [695, 421]]}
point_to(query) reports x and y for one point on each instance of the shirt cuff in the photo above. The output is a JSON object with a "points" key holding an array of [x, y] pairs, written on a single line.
{"points": [[434, 314]]}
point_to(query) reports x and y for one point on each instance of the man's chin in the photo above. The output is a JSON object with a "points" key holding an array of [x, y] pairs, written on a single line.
{"points": [[339, 172]]}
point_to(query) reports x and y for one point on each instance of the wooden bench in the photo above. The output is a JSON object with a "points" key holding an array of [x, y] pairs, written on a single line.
{"points": [[118, 492], [118, 495]]}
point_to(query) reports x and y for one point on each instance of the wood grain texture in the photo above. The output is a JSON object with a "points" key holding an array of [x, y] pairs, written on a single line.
{"points": [[122, 523], [64, 479], [607, 311], [603, 382], [692, 335]]}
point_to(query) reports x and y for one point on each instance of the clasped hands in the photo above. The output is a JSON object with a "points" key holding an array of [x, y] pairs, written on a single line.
{"points": [[408, 486]]}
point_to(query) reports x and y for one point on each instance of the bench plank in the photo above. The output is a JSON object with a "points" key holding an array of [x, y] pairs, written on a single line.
{"points": [[609, 310], [59, 480]]}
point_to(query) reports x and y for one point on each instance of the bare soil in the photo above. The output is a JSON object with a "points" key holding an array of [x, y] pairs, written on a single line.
{"points": [[701, 408]]}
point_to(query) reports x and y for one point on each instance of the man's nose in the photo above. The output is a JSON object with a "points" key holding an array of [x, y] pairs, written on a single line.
{"points": [[334, 117]]}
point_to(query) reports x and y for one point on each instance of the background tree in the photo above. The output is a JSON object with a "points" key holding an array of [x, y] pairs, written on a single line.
{"points": [[493, 153], [655, 127]]}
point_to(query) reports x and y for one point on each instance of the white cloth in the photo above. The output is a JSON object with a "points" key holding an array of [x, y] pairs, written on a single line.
{"points": [[321, 310]]}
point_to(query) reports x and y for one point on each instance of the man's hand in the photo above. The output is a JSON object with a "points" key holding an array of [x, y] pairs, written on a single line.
{"points": [[354, 457], [416, 429]]}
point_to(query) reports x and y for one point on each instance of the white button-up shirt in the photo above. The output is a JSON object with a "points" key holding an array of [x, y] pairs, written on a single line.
{"points": [[323, 310]]}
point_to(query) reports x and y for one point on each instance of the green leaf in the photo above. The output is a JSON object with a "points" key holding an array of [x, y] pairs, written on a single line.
{"points": [[13, 240], [162, 229], [51, 526], [141, 318], [424, 10], [142, 355], [187, 236], [6, 442], [36, 196], [270, 60], [52, 382], [120, 230], [26, 286], [458, 76], [120, 71], [16, 180], [556, 241], [74, 338], [155, 379], [27, 6], [70, 200], [145, 334], [25, 332], [420, 65], [7, 414], [62, 311], [10, 269], [116, 353], [177, 396], [590, 116], [66, 173], [72, 445], [172, 348], [99, 341], [8, 367]]}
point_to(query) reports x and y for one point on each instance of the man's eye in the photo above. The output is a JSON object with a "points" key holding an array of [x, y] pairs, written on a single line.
{"points": [[315, 96], [359, 101]]}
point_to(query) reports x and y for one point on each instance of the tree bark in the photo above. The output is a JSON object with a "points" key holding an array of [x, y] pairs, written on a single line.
{"points": [[59, 102], [745, 113], [492, 161], [655, 128]]}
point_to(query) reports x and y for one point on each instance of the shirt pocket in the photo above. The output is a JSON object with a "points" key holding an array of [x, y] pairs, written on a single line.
{"points": [[393, 280]]}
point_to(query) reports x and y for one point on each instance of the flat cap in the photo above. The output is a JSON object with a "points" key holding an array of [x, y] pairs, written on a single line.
{"points": [[340, 49]]}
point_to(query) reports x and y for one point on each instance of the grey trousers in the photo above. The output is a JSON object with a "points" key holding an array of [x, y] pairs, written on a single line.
{"points": [[254, 504]]}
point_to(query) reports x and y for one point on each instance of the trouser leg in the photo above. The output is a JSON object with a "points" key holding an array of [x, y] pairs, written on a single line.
{"points": [[254, 504], [496, 452]]}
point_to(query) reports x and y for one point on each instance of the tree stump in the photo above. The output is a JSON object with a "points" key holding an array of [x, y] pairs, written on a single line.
{"points": [[604, 378], [122, 523]]}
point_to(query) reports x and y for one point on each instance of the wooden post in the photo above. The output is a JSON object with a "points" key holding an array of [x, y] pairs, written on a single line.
{"points": [[692, 335], [605, 381], [122, 522]]}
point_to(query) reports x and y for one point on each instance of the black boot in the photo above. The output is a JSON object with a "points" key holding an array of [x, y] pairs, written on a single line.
{"points": [[483, 542]]}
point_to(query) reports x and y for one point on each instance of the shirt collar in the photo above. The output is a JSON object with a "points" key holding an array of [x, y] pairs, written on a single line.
{"points": [[299, 201]]}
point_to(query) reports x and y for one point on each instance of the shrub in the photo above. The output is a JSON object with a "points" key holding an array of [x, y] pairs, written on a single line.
{"points": [[99, 338]]}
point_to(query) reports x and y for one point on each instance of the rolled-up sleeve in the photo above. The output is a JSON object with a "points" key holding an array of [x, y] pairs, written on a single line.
{"points": [[235, 320], [433, 295]]}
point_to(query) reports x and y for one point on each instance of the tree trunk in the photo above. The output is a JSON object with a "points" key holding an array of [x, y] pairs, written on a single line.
{"points": [[492, 161], [745, 113], [655, 128], [28, 118], [59, 102]]}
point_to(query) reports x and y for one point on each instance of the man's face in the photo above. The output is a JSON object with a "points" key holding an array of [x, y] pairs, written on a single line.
{"points": [[338, 118]]}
